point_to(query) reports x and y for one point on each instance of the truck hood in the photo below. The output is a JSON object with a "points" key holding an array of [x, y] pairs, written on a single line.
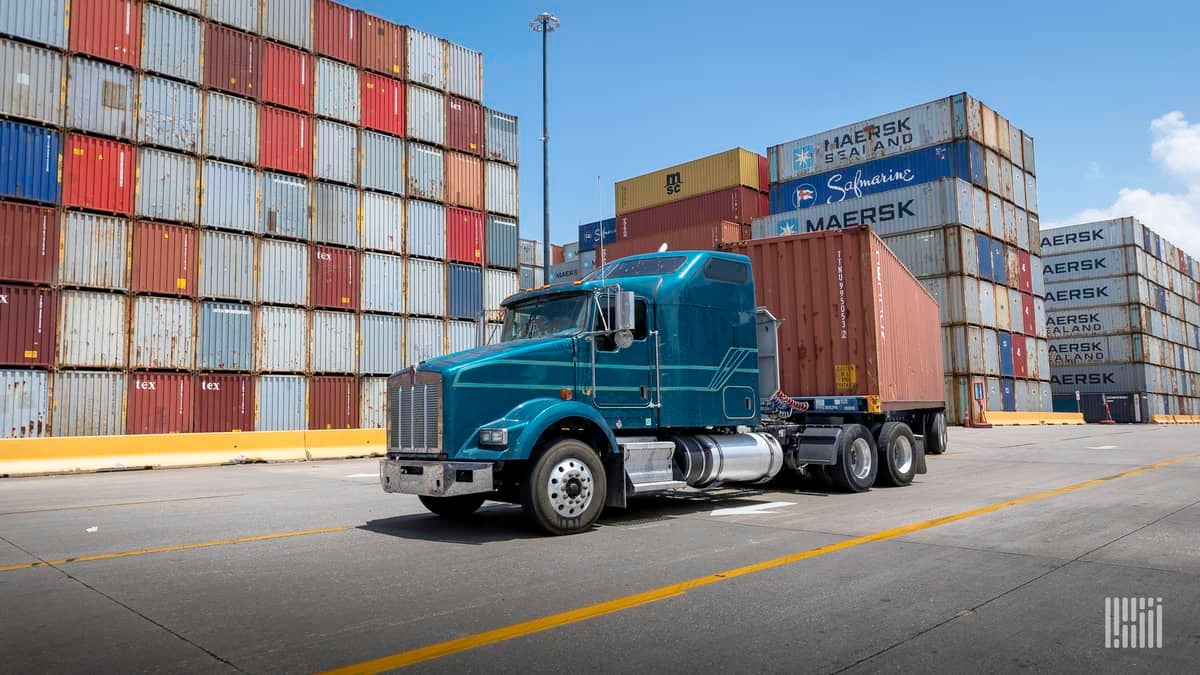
{"points": [[555, 349]]}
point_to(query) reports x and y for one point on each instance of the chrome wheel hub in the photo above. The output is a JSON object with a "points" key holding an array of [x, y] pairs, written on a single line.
{"points": [[903, 455], [861, 458], [570, 488]]}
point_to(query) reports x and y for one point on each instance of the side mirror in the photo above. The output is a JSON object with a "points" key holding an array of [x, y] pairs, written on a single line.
{"points": [[623, 314]]}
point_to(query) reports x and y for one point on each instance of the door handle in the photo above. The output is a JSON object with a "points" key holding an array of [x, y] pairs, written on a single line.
{"points": [[642, 391]]}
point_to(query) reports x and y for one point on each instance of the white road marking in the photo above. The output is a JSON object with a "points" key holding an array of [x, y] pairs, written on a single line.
{"points": [[1103, 447], [363, 475], [749, 510]]}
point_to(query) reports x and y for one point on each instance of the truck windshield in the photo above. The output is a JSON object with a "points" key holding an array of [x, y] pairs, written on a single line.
{"points": [[556, 316]]}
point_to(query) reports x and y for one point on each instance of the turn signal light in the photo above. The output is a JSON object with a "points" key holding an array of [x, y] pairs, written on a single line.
{"points": [[565, 394]]}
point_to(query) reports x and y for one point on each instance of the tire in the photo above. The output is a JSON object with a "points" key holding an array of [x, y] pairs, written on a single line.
{"points": [[935, 434], [459, 506], [897, 455], [565, 490], [857, 463]]}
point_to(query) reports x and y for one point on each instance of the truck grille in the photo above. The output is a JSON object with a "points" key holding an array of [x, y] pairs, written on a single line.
{"points": [[414, 413]]}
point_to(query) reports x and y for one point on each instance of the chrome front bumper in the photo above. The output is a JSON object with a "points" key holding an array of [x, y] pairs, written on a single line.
{"points": [[434, 479]]}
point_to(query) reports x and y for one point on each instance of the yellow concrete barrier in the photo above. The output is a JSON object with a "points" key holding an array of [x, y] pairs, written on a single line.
{"points": [[25, 456], [1012, 419], [1175, 419]]}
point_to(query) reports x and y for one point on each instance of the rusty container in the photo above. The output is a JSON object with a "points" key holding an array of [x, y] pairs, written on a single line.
{"points": [[224, 403], [29, 240], [28, 316], [159, 403], [164, 259], [333, 402]]}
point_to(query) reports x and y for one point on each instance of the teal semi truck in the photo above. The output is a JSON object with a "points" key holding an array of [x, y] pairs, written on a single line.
{"points": [[656, 373]]}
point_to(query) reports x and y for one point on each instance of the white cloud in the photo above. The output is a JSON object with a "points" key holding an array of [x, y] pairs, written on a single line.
{"points": [[1175, 215]]}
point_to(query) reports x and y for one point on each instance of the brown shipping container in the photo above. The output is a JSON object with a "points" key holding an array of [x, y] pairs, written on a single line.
{"points": [[698, 237], [737, 205], [28, 243], [224, 403], [382, 46], [464, 181], [164, 259], [159, 403], [333, 403], [232, 60], [27, 320], [336, 31], [334, 277], [464, 124], [855, 322]]}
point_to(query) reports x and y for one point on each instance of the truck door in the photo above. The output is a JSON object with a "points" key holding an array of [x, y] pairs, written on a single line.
{"points": [[625, 380]]}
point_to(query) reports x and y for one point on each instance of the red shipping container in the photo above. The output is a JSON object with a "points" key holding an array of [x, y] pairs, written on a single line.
{"points": [[556, 254], [464, 180], [1018, 356], [764, 174], [334, 277], [336, 31], [98, 174], [287, 77], [1028, 315], [231, 60], [698, 237], [285, 141], [383, 45], [28, 243], [1025, 273], [159, 403], [737, 205], [109, 29], [464, 236], [855, 322], [382, 104], [464, 125], [164, 259], [27, 319], [333, 403], [224, 403]]}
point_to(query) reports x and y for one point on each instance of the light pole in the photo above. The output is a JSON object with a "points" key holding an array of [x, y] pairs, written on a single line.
{"points": [[545, 23]]}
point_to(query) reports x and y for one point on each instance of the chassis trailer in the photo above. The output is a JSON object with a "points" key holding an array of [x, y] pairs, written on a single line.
{"points": [[668, 370]]}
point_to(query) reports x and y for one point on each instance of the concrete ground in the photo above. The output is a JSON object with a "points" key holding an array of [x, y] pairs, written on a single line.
{"points": [[362, 575]]}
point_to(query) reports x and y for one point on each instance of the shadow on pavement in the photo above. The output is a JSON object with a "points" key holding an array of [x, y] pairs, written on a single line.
{"points": [[493, 522]]}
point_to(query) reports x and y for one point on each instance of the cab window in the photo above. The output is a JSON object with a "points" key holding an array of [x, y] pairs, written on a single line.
{"points": [[605, 317]]}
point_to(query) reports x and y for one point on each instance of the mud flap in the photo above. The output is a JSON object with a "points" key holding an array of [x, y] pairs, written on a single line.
{"points": [[614, 467]]}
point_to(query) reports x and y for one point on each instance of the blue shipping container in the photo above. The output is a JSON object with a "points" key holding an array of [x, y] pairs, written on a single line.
{"points": [[226, 339], [983, 245], [960, 159], [29, 162], [466, 292], [1162, 299], [1006, 355], [999, 267], [590, 234], [1008, 393]]}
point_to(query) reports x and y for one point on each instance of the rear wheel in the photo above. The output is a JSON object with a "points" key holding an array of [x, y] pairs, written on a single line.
{"points": [[897, 454], [936, 438], [459, 506], [856, 466], [565, 490]]}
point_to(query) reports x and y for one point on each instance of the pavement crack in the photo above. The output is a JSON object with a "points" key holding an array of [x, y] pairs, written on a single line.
{"points": [[47, 564]]}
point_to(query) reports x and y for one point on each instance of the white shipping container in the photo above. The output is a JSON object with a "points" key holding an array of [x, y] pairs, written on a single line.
{"points": [[382, 162], [373, 403], [226, 266], [89, 403], [995, 216], [382, 344], [283, 272], [930, 253], [31, 83], [426, 61], [41, 21], [286, 206], [1022, 230], [1016, 314], [463, 335], [426, 114], [280, 340], [1031, 200], [241, 14], [335, 214], [336, 92], [100, 98], [1002, 310], [1093, 264], [426, 229], [501, 189], [382, 222], [1092, 236], [288, 21], [228, 197], [465, 70], [164, 334], [425, 287], [382, 283], [168, 114], [93, 251], [501, 139], [282, 403], [231, 128], [91, 329], [987, 303], [1031, 358], [171, 43], [166, 186], [498, 285], [1099, 349], [337, 152], [333, 338], [424, 340], [908, 209], [991, 351], [25, 406], [425, 172]]}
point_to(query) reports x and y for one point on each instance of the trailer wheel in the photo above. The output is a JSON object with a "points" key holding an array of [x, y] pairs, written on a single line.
{"points": [[856, 466], [459, 506], [565, 490], [897, 454], [936, 438]]}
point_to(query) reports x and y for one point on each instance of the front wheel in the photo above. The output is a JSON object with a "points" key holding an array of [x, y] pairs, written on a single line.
{"points": [[565, 489], [856, 466], [459, 506]]}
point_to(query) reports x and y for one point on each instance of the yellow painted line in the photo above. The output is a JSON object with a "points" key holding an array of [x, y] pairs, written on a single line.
{"points": [[106, 506], [171, 549], [516, 630]]}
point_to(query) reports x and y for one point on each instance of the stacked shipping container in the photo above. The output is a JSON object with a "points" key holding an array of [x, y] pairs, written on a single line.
{"points": [[1123, 321], [237, 215], [951, 187]]}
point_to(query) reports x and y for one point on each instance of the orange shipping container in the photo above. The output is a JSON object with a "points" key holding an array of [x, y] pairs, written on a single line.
{"points": [[382, 46], [697, 237], [164, 259], [464, 181], [855, 322], [721, 171]]}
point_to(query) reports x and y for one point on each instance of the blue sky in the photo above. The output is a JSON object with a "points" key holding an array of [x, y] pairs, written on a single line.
{"points": [[640, 86]]}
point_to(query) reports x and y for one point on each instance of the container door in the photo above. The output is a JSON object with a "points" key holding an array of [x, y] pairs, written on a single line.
{"points": [[999, 266], [1025, 283], [984, 244], [1008, 394], [624, 378], [1006, 353], [1019, 362]]}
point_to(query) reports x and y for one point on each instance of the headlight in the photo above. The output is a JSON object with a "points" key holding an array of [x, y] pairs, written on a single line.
{"points": [[496, 437]]}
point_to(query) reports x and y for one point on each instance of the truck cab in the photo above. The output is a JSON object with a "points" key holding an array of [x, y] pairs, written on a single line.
{"points": [[642, 378]]}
